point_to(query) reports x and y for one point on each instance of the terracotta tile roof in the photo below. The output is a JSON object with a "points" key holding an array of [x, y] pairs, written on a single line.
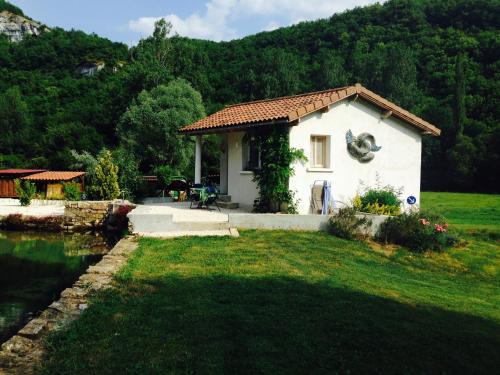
{"points": [[291, 108], [21, 171], [54, 176]]}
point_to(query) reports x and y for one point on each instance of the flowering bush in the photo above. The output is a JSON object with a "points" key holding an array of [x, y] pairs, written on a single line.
{"points": [[417, 231]]}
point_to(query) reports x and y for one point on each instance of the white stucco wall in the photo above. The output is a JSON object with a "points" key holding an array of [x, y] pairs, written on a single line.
{"points": [[397, 163], [241, 188]]}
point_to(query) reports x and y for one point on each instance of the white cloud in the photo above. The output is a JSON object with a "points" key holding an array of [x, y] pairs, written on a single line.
{"points": [[273, 25], [215, 23]]}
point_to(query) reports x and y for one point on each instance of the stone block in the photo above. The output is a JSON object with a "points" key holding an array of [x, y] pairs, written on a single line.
{"points": [[33, 329], [18, 345]]}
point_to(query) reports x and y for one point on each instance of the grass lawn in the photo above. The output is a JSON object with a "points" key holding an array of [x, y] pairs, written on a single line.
{"points": [[279, 302], [466, 211]]}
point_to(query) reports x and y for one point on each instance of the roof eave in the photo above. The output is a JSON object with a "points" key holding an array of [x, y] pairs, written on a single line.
{"points": [[234, 127]]}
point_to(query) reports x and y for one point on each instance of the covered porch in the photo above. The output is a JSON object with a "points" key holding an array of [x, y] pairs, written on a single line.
{"points": [[237, 161]]}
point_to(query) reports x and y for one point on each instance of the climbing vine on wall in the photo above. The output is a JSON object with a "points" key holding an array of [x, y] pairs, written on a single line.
{"points": [[276, 159]]}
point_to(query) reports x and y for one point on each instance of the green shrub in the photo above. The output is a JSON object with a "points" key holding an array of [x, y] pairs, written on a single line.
{"points": [[417, 231], [382, 196], [165, 174], [379, 200], [107, 177], [26, 191], [345, 224], [381, 209], [71, 191]]}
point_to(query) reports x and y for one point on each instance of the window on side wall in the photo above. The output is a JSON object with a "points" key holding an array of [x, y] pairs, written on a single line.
{"points": [[320, 151], [251, 155]]}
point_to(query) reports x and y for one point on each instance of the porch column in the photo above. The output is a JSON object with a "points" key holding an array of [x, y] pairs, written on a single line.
{"points": [[223, 164], [197, 161]]}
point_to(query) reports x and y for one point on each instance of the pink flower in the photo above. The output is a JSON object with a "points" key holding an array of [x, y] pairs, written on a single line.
{"points": [[424, 221], [439, 228]]}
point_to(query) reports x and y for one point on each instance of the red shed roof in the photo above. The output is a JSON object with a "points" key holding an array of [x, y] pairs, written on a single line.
{"points": [[21, 171], [54, 176], [289, 109]]}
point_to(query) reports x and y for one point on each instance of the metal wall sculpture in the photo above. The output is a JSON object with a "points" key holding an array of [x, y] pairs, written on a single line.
{"points": [[362, 147]]}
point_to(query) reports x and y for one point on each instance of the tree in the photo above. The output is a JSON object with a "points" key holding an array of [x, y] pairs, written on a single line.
{"points": [[463, 162], [331, 71], [129, 177], [149, 128], [87, 162], [459, 114], [151, 58], [26, 191], [400, 76], [107, 177], [15, 122]]}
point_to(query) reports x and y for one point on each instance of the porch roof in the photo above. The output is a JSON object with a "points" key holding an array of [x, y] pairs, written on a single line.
{"points": [[54, 176], [289, 109]]}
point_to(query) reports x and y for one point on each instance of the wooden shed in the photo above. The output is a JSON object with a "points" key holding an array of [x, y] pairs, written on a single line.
{"points": [[51, 183], [7, 178]]}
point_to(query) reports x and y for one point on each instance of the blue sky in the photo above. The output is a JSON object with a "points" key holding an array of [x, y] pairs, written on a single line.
{"points": [[129, 20]]}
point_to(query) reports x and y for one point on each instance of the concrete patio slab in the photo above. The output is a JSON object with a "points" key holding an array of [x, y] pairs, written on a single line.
{"points": [[37, 208]]}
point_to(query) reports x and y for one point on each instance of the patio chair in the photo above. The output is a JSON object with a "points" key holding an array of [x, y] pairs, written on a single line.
{"points": [[178, 188], [204, 196]]}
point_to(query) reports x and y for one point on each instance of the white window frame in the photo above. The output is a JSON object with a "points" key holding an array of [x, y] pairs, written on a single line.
{"points": [[325, 140]]}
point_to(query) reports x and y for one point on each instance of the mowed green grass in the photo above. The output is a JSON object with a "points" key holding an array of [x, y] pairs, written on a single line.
{"points": [[277, 302], [466, 211]]}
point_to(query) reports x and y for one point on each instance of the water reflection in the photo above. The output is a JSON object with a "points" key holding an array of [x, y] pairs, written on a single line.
{"points": [[36, 267]]}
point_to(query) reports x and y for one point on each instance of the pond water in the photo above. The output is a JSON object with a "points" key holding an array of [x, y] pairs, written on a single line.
{"points": [[35, 268]]}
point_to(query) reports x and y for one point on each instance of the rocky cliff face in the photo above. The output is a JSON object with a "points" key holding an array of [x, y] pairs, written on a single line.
{"points": [[17, 27]]}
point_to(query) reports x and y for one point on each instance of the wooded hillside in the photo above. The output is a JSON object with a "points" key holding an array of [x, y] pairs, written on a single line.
{"points": [[438, 59]]}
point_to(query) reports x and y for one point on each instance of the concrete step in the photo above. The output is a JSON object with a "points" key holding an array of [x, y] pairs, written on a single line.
{"points": [[224, 198], [156, 222], [196, 233], [197, 226], [228, 205]]}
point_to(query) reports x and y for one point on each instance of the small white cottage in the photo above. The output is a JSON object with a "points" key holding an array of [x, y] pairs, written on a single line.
{"points": [[349, 135]]}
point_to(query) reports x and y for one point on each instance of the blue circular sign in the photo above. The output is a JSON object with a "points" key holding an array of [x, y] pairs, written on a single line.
{"points": [[411, 200]]}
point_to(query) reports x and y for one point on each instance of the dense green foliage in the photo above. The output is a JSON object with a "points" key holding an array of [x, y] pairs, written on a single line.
{"points": [[280, 302], [149, 128], [345, 224], [4, 5], [276, 158], [437, 59], [26, 191], [379, 200], [106, 173], [71, 191], [417, 231]]}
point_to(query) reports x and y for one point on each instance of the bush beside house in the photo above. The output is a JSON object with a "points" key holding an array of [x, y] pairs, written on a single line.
{"points": [[417, 231], [26, 191]]}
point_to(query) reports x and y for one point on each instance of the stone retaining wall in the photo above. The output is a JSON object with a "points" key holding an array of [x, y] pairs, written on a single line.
{"points": [[25, 350], [295, 222], [81, 216]]}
